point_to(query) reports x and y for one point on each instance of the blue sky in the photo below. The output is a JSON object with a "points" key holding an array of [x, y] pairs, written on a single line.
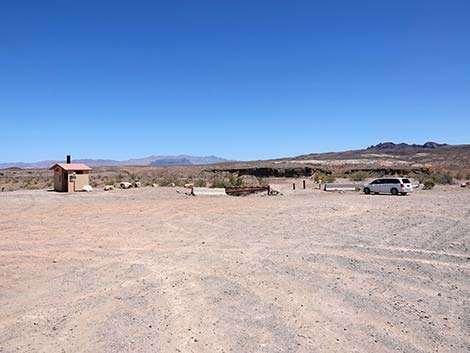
{"points": [[240, 79]]}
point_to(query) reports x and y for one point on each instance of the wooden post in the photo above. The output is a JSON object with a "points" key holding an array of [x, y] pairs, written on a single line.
{"points": [[293, 186], [304, 184]]}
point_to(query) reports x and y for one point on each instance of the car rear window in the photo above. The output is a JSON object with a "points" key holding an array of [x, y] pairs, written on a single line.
{"points": [[406, 181]]}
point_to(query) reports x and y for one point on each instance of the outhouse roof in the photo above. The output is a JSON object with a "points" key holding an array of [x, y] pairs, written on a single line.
{"points": [[70, 167]]}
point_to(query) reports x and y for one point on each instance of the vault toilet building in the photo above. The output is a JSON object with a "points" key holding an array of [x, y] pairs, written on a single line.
{"points": [[70, 177]]}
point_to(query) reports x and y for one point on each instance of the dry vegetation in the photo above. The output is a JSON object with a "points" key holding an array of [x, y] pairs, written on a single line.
{"points": [[225, 174], [442, 164], [16, 179]]}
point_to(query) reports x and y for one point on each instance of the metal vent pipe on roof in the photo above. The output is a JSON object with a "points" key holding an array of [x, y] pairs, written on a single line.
{"points": [[69, 159]]}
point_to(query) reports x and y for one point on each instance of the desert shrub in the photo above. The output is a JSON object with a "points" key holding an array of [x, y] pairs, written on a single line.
{"points": [[167, 181], [181, 182], [218, 183], [324, 178], [116, 180], [443, 178], [428, 183], [421, 178], [200, 183], [317, 178], [262, 181], [235, 180], [358, 176]]}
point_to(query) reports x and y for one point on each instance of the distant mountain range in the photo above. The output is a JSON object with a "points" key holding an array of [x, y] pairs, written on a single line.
{"points": [[151, 160], [442, 155]]}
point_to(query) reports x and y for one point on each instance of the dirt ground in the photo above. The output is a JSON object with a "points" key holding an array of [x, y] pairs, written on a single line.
{"points": [[153, 270]]}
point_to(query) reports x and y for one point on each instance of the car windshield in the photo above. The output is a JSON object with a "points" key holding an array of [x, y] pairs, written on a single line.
{"points": [[406, 181]]}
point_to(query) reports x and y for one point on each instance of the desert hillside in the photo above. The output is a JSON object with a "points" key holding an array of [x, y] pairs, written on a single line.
{"points": [[389, 153], [381, 159], [374, 161]]}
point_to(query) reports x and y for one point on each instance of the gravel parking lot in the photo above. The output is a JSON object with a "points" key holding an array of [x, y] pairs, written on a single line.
{"points": [[153, 270]]}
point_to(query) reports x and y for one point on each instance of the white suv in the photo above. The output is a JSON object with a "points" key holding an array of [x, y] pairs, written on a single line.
{"points": [[392, 186]]}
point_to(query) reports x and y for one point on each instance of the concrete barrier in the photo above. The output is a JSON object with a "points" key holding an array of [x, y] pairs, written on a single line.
{"points": [[208, 192], [342, 187]]}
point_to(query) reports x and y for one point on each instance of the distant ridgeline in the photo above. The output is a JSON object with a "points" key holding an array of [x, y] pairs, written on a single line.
{"points": [[150, 160], [181, 161], [397, 146]]}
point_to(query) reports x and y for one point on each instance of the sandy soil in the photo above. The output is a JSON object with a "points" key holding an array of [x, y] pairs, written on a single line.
{"points": [[151, 270]]}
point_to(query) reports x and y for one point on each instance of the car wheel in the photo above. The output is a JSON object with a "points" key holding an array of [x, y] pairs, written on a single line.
{"points": [[394, 191], [366, 191], [403, 193]]}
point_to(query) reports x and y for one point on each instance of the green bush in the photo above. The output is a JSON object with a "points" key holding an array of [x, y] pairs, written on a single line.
{"points": [[422, 178], [437, 178], [324, 178], [329, 179], [317, 178], [235, 180], [167, 181], [262, 182], [428, 183], [218, 183], [358, 176], [443, 178], [200, 183]]}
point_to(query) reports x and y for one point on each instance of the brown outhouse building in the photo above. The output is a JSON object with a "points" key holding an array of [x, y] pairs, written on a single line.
{"points": [[70, 177]]}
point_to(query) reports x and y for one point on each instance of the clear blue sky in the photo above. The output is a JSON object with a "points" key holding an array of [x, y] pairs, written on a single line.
{"points": [[240, 79]]}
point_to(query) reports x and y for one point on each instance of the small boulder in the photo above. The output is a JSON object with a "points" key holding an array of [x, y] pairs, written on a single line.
{"points": [[275, 190], [87, 188], [125, 185]]}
